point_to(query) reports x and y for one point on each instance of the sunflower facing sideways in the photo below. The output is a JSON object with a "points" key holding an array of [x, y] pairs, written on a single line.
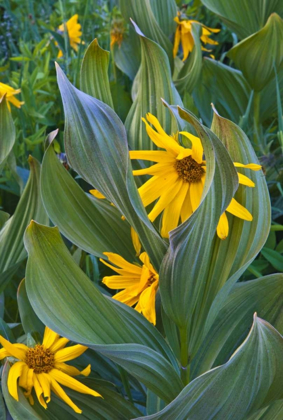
{"points": [[74, 33], [177, 180], [42, 367]]}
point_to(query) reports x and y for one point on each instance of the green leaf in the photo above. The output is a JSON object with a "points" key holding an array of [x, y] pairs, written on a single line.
{"points": [[56, 285], [154, 83], [244, 18], [12, 250], [92, 224], [141, 13], [96, 147], [230, 327], [250, 380], [273, 412], [223, 86], [165, 11], [30, 322], [275, 259], [2, 408], [3, 218], [94, 73], [184, 271], [190, 72], [7, 131], [257, 55], [127, 56]]}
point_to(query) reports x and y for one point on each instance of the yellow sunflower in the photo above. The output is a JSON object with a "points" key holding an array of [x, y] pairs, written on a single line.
{"points": [[117, 32], [178, 179], [42, 367], [74, 33], [184, 35], [139, 283], [10, 95]]}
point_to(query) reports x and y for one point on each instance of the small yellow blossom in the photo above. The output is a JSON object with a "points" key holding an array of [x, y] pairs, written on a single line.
{"points": [[74, 33], [139, 283], [117, 32], [42, 367], [184, 35], [10, 93], [177, 180]]}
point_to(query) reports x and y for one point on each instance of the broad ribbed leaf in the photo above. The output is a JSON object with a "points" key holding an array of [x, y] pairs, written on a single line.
{"points": [[142, 13], [94, 73], [273, 412], [3, 218], [29, 319], [92, 224], [7, 131], [127, 56], [242, 16], [165, 11], [187, 264], [190, 72], [223, 86], [250, 380], [154, 83], [96, 147], [30, 206], [257, 55], [234, 320], [56, 285]]}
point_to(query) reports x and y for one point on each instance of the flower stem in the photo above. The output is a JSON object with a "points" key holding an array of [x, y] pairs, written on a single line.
{"points": [[185, 367], [256, 136]]}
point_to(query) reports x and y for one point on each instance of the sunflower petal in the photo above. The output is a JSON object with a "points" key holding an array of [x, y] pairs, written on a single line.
{"points": [[44, 382], [172, 212], [71, 370], [244, 180], [238, 210], [120, 282], [59, 344], [69, 353], [223, 226], [156, 186], [197, 149], [165, 199], [50, 337], [14, 350], [187, 209], [147, 303], [252, 166], [12, 383], [196, 189], [62, 394], [39, 392], [152, 155], [121, 262], [72, 383]]}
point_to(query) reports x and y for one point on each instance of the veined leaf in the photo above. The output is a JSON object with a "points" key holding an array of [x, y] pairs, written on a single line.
{"points": [[154, 83], [7, 131], [230, 327], [223, 86], [244, 18], [29, 319], [12, 250], [3, 218], [257, 55], [165, 11], [141, 12], [274, 257], [96, 147], [249, 381], [92, 224], [273, 412], [94, 73], [190, 72], [56, 285], [127, 56]]}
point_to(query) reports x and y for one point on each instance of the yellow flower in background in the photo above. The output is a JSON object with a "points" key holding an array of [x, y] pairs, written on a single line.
{"points": [[42, 367], [117, 32], [178, 179], [10, 95], [74, 33], [139, 283], [184, 35]]}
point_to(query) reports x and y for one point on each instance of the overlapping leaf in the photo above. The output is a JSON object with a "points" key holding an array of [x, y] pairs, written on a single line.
{"points": [[249, 381], [93, 225], [7, 131], [56, 285], [154, 83], [96, 147]]}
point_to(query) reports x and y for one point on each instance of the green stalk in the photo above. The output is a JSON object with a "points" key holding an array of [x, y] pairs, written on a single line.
{"points": [[80, 46], [256, 120], [66, 40], [185, 367]]}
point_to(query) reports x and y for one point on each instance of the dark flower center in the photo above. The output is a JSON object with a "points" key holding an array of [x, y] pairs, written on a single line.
{"points": [[189, 170], [40, 359]]}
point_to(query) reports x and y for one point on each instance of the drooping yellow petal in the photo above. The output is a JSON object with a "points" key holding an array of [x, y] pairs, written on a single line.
{"points": [[172, 212], [50, 337], [238, 210], [129, 296], [165, 199], [156, 186], [120, 282], [187, 209], [188, 44], [72, 383], [244, 180], [69, 353], [59, 344], [44, 382], [97, 194], [252, 166], [177, 41], [121, 262], [14, 350], [152, 155], [147, 303], [62, 394], [223, 226], [196, 189], [71, 370], [197, 149], [165, 142], [12, 383], [136, 241], [157, 169], [39, 392]]}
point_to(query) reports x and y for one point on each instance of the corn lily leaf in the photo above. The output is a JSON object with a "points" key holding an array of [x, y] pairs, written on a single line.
{"points": [[30, 322], [96, 147], [229, 328], [273, 412], [190, 72], [234, 390], [7, 131], [30, 206], [141, 12], [56, 285], [244, 18], [257, 55], [92, 224], [223, 86], [3, 218], [164, 12], [94, 73], [127, 56], [154, 83]]}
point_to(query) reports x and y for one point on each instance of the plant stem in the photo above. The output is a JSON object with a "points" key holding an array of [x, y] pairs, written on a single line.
{"points": [[66, 35], [185, 367], [256, 135]]}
